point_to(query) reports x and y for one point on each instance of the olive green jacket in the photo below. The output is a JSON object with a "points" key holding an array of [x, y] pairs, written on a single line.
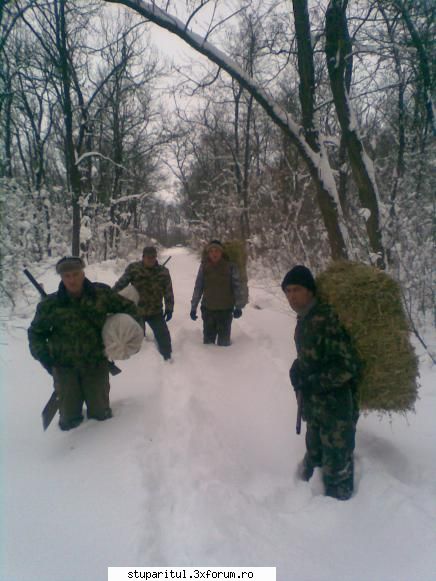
{"points": [[153, 285], [218, 286]]}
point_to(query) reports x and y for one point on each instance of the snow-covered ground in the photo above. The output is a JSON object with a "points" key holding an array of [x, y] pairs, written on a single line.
{"points": [[197, 466]]}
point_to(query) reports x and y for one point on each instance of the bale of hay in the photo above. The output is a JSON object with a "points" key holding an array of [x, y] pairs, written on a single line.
{"points": [[368, 303], [236, 252]]}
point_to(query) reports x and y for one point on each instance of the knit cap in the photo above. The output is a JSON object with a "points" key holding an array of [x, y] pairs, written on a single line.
{"points": [[300, 275]]}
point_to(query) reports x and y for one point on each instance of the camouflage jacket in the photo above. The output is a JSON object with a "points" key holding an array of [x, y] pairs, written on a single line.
{"points": [[327, 358], [153, 285], [218, 286], [66, 331]]}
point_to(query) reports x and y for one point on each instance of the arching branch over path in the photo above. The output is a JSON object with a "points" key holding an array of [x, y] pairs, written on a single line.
{"points": [[317, 161]]}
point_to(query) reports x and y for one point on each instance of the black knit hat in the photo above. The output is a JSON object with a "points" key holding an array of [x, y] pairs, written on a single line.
{"points": [[300, 275]]}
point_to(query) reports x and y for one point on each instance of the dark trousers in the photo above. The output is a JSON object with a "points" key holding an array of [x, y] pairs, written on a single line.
{"points": [[74, 386], [161, 334], [217, 325]]}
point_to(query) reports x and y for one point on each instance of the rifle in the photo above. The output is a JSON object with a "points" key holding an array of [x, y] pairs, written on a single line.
{"points": [[52, 406], [35, 283], [169, 258], [299, 411]]}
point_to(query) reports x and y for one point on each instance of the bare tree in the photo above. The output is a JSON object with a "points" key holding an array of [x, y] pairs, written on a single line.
{"points": [[338, 51], [318, 166]]}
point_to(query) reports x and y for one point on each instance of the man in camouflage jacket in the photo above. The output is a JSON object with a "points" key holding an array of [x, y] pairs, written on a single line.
{"points": [[65, 336], [218, 286], [325, 372], [153, 283]]}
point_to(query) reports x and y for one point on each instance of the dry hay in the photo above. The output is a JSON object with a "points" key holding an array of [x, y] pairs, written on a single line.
{"points": [[368, 303]]}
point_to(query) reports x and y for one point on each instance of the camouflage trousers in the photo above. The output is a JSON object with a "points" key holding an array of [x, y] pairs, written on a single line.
{"points": [[330, 440], [217, 326], [77, 385]]}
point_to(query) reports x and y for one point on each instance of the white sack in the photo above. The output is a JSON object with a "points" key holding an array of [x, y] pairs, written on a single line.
{"points": [[130, 292], [122, 336]]}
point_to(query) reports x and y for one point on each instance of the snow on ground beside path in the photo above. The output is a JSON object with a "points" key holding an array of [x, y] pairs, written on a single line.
{"points": [[197, 466]]}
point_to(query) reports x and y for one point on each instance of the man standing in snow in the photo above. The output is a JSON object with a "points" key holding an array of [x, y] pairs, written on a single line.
{"points": [[65, 336], [325, 372], [154, 285], [218, 282]]}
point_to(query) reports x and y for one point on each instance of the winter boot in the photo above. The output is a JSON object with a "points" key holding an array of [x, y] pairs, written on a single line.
{"points": [[106, 415], [305, 471], [340, 492], [66, 425]]}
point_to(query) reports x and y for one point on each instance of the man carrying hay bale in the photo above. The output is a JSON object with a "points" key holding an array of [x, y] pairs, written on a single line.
{"points": [[218, 286], [325, 373]]}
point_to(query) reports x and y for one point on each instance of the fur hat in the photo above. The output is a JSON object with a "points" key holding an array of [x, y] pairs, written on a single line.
{"points": [[149, 251], [300, 275], [69, 264]]}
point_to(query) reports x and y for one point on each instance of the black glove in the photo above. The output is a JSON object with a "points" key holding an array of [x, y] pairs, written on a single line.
{"points": [[193, 315], [168, 315], [295, 375], [237, 313]]}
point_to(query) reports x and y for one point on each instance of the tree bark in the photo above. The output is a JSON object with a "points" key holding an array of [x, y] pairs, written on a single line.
{"points": [[338, 50], [73, 173], [424, 61], [331, 211]]}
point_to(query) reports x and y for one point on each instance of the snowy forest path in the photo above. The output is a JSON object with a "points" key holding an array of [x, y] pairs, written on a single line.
{"points": [[197, 466], [222, 421]]}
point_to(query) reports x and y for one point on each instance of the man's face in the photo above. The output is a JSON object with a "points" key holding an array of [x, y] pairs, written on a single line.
{"points": [[73, 281], [215, 254], [299, 297], [149, 260]]}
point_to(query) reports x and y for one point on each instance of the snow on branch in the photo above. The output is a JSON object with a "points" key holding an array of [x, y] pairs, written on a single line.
{"points": [[98, 154], [200, 44]]}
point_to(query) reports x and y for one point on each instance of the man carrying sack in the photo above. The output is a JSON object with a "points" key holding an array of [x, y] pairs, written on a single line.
{"points": [[65, 336]]}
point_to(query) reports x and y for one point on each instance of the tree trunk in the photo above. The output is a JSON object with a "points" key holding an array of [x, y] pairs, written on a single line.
{"points": [[338, 51], [424, 61], [73, 174], [330, 208], [6, 103], [306, 72], [397, 178]]}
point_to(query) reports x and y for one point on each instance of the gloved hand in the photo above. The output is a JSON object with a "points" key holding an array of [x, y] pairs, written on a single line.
{"points": [[168, 315], [237, 313], [193, 315], [295, 375]]}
